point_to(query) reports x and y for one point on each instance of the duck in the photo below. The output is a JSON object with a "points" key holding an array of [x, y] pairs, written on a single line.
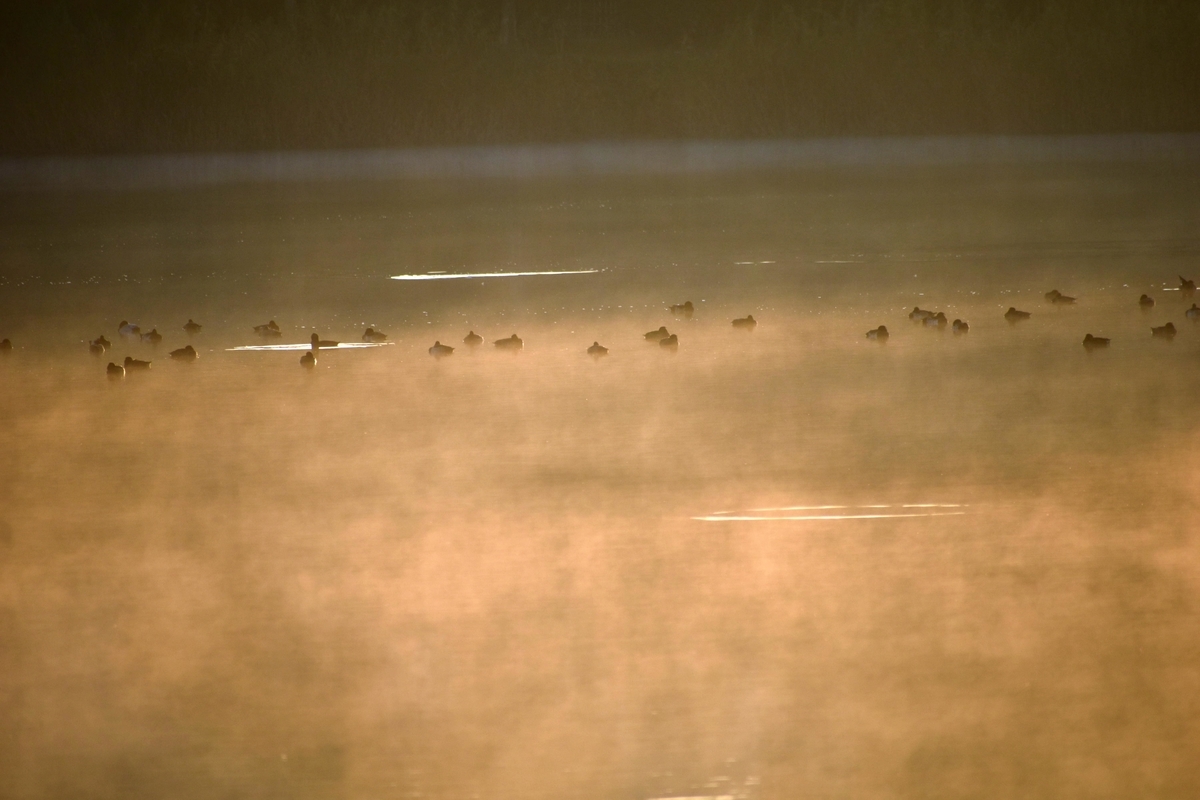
{"points": [[115, 371], [1186, 287], [658, 335], [105, 343], [5, 346], [919, 314], [597, 350], [472, 339], [1193, 313], [153, 337], [318, 342], [440, 350], [96, 349], [745, 323], [1062, 299], [1013, 315], [879, 334], [960, 327], [133, 363], [671, 342], [684, 310], [372, 335], [187, 353], [128, 329], [1146, 302], [192, 327], [938, 321], [1090, 342], [268, 331], [308, 360], [1163, 331], [513, 343]]}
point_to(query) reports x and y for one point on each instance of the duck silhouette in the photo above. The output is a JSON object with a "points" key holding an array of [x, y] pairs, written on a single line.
{"points": [[440, 350], [1186, 287], [658, 335], [1059, 299], [192, 327], [372, 335], [128, 329], [153, 337], [96, 349], [1146, 302], [105, 343], [1013, 315], [186, 353], [308, 360], [684, 310], [472, 339], [937, 320], [960, 327], [1053, 295], [115, 371], [1193, 313], [5, 346], [879, 334], [670, 343], [1164, 331], [1091, 343], [919, 314], [134, 364], [269, 330], [318, 342], [513, 343], [746, 323], [597, 350]]}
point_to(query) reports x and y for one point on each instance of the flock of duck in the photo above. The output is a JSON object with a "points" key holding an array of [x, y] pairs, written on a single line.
{"points": [[662, 336]]}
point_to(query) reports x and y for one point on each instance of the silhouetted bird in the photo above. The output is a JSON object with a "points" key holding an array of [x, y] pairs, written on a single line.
{"points": [[1013, 315], [372, 335], [128, 329], [879, 334], [187, 353], [938, 321], [1164, 331], [1193, 313], [746, 323], [1091, 343], [95, 348], [308, 360], [1146, 302], [684, 310], [597, 350], [513, 343], [472, 339], [153, 337], [1053, 295], [1063, 300], [115, 371], [192, 327], [960, 327], [5, 346], [440, 350], [671, 342], [658, 335], [919, 314], [133, 363], [1186, 287], [105, 343], [318, 342], [268, 331]]}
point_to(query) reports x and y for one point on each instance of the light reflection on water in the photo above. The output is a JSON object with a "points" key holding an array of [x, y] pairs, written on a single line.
{"points": [[444, 276], [308, 346]]}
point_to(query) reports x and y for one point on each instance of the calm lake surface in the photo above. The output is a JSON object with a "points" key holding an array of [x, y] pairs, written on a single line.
{"points": [[504, 576]]}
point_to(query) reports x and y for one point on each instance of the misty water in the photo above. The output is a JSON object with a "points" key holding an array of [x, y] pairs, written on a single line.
{"points": [[785, 563]]}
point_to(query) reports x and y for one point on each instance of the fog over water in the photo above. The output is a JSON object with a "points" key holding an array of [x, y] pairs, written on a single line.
{"points": [[785, 563]]}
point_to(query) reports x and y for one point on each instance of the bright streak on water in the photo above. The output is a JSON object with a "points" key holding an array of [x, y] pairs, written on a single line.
{"points": [[308, 346], [443, 276], [813, 517]]}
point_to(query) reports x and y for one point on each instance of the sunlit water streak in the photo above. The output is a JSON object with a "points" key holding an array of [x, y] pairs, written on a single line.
{"points": [[443, 276], [308, 346], [766, 515]]}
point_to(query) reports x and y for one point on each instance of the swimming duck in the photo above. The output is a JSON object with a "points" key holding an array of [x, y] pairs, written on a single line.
{"points": [[128, 329], [192, 327], [308, 360], [597, 350], [318, 342], [440, 350], [684, 310], [187, 353], [115, 371], [960, 326], [1186, 287], [671, 342], [5, 346], [513, 342], [1061, 299], [133, 363], [919, 314], [1013, 315], [268, 331], [1164, 331], [95, 348], [1090, 342], [472, 339], [937, 320], [658, 335], [879, 334], [372, 335], [1193, 313], [105, 343], [745, 323], [153, 337], [1146, 302]]}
